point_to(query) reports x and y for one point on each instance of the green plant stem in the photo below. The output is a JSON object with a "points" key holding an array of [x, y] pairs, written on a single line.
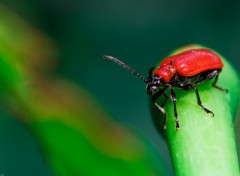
{"points": [[204, 145]]}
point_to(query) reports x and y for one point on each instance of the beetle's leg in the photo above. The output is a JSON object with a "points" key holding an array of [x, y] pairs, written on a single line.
{"points": [[164, 106], [216, 86], [215, 74], [165, 101], [161, 108], [164, 116], [174, 100], [200, 102]]}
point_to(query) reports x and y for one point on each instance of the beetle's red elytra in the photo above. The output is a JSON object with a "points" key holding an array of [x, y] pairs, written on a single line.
{"points": [[193, 62], [185, 71]]}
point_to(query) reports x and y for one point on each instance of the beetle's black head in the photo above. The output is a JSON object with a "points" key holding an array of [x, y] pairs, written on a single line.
{"points": [[153, 83]]}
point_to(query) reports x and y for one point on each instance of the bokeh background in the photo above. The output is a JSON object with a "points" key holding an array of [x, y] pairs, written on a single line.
{"points": [[140, 33]]}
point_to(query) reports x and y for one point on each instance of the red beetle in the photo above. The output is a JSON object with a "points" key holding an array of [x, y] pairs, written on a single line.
{"points": [[184, 70]]}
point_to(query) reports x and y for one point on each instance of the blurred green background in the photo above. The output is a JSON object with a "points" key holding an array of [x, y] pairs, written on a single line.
{"points": [[140, 33]]}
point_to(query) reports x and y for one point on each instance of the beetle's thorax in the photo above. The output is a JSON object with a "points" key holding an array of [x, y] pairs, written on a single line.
{"points": [[166, 72]]}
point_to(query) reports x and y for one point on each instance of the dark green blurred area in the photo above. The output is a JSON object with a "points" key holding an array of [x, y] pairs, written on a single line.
{"points": [[141, 33], [19, 153]]}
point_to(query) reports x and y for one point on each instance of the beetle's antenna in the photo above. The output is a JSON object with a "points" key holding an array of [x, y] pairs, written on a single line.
{"points": [[125, 66]]}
